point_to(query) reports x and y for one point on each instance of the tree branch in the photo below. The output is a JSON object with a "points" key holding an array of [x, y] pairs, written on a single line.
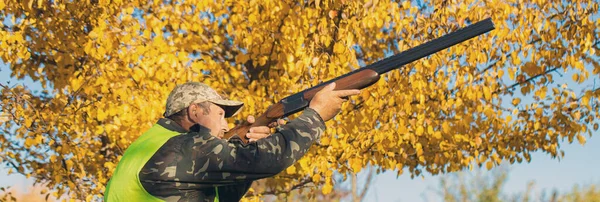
{"points": [[11, 29], [335, 32], [43, 59], [526, 80], [12, 164], [300, 185], [363, 193], [268, 64]]}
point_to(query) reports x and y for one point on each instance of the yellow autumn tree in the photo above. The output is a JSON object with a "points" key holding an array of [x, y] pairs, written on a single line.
{"points": [[106, 68]]}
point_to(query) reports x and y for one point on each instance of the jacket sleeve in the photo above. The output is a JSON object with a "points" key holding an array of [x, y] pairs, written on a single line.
{"points": [[217, 161]]}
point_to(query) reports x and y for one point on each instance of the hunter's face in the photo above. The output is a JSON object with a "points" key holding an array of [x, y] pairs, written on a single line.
{"points": [[214, 120]]}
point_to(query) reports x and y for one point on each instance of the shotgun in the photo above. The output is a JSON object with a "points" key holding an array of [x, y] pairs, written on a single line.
{"points": [[362, 77]]}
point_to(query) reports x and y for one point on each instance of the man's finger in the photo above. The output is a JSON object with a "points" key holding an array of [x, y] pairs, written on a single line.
{"points": [[250, 119], [256, 135], [329, 87], [346, 93], [274, 124], [279, 122], [260, 129]]}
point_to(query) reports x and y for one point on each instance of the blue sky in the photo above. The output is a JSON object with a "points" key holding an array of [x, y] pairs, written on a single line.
{"points": [[579, 166], [14, 179]]}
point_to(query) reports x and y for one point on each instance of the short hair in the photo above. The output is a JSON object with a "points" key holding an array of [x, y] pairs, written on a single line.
{"points": [[181, 115]]}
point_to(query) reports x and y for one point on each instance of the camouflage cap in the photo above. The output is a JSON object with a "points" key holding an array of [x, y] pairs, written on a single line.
{"points": [[195, 92]]}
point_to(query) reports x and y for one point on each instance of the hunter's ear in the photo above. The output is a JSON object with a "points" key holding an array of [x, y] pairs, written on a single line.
{"points": [[191, 110]]}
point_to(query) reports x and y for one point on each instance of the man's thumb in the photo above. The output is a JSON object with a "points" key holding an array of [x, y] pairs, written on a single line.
{"points": [[330, 86]]}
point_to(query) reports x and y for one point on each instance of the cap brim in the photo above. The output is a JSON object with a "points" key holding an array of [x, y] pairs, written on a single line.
{"points": [[231, 107]]}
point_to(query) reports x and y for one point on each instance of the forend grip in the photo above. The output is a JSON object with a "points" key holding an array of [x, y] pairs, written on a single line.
{"points": [[357, 79]]}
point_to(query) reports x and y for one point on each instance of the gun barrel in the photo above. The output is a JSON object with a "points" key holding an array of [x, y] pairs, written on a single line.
{"points": [[431, 47]]}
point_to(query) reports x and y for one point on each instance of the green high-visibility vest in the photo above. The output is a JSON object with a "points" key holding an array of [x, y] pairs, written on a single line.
{"points": [[125, 183]]}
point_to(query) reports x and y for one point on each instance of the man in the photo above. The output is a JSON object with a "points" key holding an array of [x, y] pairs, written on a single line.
{"points": [[183, 158]]}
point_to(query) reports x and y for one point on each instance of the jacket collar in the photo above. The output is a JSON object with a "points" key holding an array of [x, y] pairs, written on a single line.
{"points": [[173, 126]]}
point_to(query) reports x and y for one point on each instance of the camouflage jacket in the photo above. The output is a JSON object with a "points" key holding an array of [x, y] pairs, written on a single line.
{"points": [[189, 166]]}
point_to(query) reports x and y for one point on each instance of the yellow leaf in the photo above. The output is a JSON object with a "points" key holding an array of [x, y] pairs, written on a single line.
{"points": [[338, 48], [446, 127], [576, 77], [76, 84], [487, 93], [516, 60], [478, 141], [28, 142], [28, 121], [525, 89], [101, 114], [327, 188], [511, 73], [379, 23], [420, 130], [316, 177], [69, 163], [262, 60], [39, 139], [405, 4], [291, 170], [419, 149], [516, 101], [356, 165], [109, 165], [500, 73], [581, 139], [489, 165], [437, 135], [578, 65], [542, 92]]}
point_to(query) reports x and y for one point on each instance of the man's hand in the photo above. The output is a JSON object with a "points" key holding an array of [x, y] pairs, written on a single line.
{"points": [[260, 132], [328, 102]]}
